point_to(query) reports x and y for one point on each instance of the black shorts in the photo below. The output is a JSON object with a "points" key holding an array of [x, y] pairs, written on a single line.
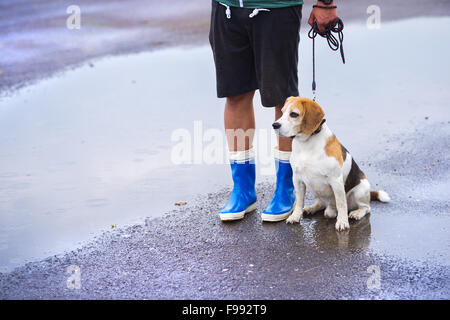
{"points": [[256, 53]]}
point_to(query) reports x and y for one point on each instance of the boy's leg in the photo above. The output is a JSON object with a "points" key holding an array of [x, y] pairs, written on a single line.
{"points": [[239, 127], [283, 201], [284, 144], [239, 121], [236, 81]]}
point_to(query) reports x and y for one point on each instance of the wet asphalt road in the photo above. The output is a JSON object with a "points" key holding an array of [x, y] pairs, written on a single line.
{"points": [[190, 254]]}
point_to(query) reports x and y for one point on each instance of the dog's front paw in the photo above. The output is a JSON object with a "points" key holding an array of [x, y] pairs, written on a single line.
{"points": [[294, 218], [342, 224]]}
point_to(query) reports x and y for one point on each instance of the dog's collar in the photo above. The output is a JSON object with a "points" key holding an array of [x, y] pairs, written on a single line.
{"points": [[319, 128]]}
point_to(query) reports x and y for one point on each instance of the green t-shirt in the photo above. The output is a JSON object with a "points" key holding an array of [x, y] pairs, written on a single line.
{"points": [[267, 4]]}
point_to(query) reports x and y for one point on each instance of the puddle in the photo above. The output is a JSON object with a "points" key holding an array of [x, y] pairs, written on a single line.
{"points": [[408, 235], [92, 147]]}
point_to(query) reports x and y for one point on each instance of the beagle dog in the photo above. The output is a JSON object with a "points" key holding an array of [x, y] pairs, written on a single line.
{"points": [[322, 164]]}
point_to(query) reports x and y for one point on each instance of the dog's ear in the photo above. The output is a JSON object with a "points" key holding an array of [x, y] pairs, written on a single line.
{"points": [[312, 116], [286, 103]]}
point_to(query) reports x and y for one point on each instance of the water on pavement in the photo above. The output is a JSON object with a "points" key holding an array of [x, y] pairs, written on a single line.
{"points": [[91, 148]]}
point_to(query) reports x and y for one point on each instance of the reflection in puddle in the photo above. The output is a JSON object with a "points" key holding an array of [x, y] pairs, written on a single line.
{"points": [[320, 233]]}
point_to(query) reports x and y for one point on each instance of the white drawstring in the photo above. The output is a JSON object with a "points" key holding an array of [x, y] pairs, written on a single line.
{"points": [[256, 11], [253, 14], [227, 11]]}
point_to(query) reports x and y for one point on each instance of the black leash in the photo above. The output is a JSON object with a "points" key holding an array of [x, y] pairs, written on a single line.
{"points": [[333, 43]]}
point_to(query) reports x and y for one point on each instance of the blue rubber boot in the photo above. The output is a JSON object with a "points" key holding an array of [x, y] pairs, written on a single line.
{"points": [[283, 200], [243, 196]]}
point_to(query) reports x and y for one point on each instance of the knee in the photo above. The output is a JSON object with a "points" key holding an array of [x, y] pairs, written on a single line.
{"points": [[241, 100]]}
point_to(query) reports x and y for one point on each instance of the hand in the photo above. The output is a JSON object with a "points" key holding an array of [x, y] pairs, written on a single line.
{"points": [[323, 17]]}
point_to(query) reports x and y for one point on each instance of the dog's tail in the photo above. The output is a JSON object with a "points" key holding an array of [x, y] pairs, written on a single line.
{"points": [[379, 195]]}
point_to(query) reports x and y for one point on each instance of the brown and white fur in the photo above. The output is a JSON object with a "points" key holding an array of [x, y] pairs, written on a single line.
{"points": [[322, 164]]}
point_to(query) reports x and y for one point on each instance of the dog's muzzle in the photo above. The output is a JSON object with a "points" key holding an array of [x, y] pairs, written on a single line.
{"points": [[276, 125]]}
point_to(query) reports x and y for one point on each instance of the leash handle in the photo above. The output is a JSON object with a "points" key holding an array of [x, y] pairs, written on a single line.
{"points": [[333, 43]]}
